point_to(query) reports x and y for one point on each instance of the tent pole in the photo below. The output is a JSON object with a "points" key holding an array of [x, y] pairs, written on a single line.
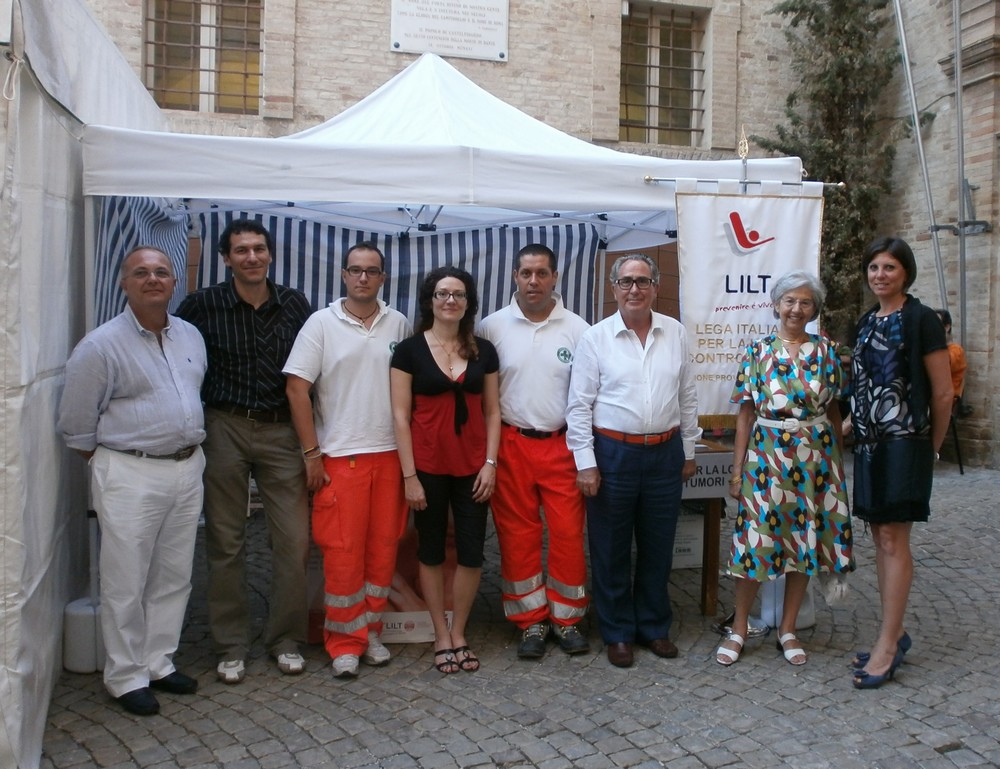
{"points": [[915, 112], [962, 183], [90, 228]]}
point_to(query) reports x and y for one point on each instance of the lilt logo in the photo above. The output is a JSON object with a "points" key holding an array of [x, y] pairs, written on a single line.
{"points": [[742, 240]]}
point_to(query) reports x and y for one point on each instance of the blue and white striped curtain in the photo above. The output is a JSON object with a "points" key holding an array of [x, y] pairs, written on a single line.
{"points": [[308, 256], [124, 224]]}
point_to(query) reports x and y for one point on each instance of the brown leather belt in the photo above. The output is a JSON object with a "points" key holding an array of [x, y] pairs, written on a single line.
{"points": [[177, 456], [275, 416], [528, 432], [647, 439]]}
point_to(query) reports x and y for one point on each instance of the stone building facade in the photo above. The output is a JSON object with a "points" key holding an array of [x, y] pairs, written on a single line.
{"points": [[563, 65]]}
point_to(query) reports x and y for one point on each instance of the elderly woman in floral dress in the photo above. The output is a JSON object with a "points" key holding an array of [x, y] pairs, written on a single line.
{"points": [[793, 516]]}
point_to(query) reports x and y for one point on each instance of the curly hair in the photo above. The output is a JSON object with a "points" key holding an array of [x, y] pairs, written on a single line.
{"points": [[467, 341]]}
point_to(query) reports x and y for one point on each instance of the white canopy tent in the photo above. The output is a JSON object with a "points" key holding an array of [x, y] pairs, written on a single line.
{"points": [[427, 154], [428, 148]]}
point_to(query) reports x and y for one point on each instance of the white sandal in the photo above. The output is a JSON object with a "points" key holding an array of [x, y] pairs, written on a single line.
{"points": [[729, 654], [791, 654]]}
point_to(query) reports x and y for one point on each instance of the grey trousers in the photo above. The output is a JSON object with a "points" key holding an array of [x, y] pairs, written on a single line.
{"points": [[235, 448]]}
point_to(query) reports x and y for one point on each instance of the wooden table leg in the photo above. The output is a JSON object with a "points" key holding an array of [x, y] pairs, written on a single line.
{"points": [[710, 557]]}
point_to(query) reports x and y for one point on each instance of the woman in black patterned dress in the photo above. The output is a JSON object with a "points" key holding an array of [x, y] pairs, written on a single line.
{"points": [[901, 408]]}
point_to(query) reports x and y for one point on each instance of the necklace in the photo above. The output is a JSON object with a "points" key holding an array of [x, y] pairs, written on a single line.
{"points": [[364, 319], [451, 368], [792, 341]]}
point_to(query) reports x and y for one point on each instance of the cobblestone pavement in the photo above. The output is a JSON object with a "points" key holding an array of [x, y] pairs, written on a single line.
{"points": [[941, 711]]}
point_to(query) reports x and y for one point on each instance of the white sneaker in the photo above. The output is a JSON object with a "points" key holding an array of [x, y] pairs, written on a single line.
{"points": [[345, 666], [231, 671], [376, 654], [291, 664]]}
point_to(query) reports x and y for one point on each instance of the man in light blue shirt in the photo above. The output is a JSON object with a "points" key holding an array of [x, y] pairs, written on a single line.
{"points": [[132, 407]]}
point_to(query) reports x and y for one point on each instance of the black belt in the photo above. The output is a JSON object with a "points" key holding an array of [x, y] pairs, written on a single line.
{"points": [[277, 415], [177, 456], [527, 432]]}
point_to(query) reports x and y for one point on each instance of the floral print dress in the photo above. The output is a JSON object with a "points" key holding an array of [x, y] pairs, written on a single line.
{"points": [[793, 512]]}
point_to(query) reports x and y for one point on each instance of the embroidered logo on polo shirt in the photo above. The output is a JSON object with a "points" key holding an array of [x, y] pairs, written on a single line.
{"points": [[564, 355]]}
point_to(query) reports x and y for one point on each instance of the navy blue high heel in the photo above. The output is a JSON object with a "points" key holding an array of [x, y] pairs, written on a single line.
{"points": [[863, 680], [861, 658]]}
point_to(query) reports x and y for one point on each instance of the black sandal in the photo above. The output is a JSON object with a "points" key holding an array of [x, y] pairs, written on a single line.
{"points": [[449, 665], [469, 661]]}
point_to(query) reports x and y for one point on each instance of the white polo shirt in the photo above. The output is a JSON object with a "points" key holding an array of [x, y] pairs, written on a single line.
{"points": [[348, 365], [535, 363]]}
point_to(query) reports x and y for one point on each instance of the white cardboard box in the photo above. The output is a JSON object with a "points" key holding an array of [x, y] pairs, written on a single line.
{"points": [[408, 627]]}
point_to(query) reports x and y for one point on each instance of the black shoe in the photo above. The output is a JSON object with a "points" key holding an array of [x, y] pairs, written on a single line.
{"points": [[570, 639], [140, 702], [532, 645], [175, 683]]}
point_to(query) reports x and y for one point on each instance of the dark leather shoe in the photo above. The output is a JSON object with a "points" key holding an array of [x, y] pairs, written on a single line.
{"points": [[620, 655], [532, 644], [570, 639], [662, 647], [175, 683], [140, 702]]}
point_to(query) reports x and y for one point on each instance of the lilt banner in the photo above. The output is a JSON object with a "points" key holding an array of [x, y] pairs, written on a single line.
{"points": [[730, 250]]}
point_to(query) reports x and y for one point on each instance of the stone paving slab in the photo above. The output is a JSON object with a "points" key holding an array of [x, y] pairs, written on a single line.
{"points": [[941, 712]]}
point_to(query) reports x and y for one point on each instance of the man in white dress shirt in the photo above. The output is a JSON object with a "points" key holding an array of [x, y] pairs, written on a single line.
{"points": [[632, 426]]}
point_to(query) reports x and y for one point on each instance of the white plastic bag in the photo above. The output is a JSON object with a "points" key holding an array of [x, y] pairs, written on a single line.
{"points": [[772, 600]]}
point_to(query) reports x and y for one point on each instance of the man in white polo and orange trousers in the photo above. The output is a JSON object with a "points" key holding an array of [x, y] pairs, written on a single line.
{"points": [[535, 336]]}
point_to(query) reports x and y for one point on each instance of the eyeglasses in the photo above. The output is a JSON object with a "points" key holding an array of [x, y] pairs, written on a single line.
{"points": [[625, 284], [444, 296], [355, 272], [805, 304], [161, 273]]}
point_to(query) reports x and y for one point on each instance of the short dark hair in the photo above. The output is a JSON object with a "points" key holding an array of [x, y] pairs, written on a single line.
{"points": [[537, 249], [467, 324], [365, 245], [236, 226], [898, 249]]}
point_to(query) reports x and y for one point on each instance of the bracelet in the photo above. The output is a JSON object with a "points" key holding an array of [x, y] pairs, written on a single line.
{"points": [[412, 475], [309, 454], [306, 452], [734, 480], [491, 462]]}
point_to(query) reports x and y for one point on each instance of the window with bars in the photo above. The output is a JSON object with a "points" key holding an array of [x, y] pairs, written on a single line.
{"points": [[662, 77], [204, 55]]}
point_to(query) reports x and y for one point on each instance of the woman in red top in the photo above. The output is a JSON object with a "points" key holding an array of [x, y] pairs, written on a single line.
{"points": [[446, 409]]}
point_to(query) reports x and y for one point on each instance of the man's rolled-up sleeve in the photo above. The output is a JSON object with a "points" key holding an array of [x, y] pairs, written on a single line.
{"points": [[85, 396]]}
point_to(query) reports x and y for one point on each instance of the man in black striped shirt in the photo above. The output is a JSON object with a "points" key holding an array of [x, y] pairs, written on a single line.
{"points": [[249, 325]]}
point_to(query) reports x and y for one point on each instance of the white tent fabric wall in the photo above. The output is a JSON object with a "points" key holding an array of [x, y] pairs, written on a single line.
{"points": [[64, 70], [310, 254], [43, 314]]}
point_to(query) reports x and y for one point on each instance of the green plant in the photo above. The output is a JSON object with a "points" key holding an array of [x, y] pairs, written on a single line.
{"points": [[844, 55]]}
